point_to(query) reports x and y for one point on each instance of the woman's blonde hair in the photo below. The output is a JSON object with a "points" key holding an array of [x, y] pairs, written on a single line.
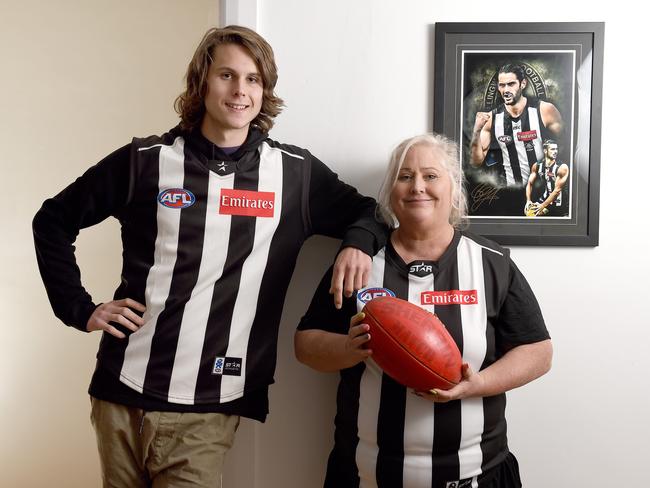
{"points": [[449, 150]]}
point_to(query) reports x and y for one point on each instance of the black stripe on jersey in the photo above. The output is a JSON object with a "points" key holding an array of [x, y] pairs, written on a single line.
{"points": [[190, 237], [392, 411], [342, 468], [286, 241], [496, 442], [494, 406], [447, 426], [217, 334], [141, 241], [530, 148], [512, 148]]}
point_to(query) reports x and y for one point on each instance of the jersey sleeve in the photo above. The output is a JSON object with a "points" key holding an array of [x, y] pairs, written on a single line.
{"points": [[100, 192], [520, 319], [323, 315], [338, 210]]}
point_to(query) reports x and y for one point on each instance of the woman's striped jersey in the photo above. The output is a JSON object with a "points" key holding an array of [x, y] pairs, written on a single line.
{"points": [[386, 436], [209, 246]]}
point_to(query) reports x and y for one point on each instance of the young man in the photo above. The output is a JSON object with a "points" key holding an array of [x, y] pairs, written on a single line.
{"points": [[554, 175], [516, 129], [213, 215]]}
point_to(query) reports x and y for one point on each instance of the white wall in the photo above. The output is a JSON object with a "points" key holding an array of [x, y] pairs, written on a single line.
{"points": [[357, 78], [78, 79]]}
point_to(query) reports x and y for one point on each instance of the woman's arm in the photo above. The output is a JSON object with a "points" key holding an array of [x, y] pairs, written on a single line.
{"points": [[521, 365], [328, 351]]}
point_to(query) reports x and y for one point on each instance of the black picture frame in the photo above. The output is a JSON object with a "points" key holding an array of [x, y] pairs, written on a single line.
{"points": [[563, 66]]}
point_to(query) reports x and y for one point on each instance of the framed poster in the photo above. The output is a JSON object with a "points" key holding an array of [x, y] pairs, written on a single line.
{"points": [[523, 101]]}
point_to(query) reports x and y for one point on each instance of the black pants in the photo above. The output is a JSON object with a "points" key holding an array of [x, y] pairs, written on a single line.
{"points": [[506, 474]]}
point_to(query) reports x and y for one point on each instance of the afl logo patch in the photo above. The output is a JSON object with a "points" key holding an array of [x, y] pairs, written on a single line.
{"points": [[506, 139], [367, 294], [176, 198]]}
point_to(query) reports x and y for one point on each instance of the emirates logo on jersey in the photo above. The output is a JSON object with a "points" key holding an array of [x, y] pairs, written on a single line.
{"points": [[450, 297], [246, 202], [529, 135]]}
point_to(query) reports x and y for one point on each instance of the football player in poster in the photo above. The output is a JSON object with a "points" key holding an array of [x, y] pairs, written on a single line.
{"points": [[554, 175], [512, 105]]}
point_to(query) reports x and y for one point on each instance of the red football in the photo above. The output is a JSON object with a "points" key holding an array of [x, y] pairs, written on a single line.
{"points": [[412, 345]]}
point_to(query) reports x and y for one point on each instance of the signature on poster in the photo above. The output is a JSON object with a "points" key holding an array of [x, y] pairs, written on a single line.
{"points": [[483, 194]]}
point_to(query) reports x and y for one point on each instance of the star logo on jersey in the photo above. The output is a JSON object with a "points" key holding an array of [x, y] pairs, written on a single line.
{"points": [[421, 268], [449, 297], [222, 166], [227, 366], [247, 203], [176, 198]]}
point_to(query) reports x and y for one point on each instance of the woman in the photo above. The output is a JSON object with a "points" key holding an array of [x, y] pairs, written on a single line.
{"points": [[386, 436]]}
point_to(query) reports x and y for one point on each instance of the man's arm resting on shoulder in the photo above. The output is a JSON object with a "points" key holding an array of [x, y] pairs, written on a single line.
{"points": [[338, 210]]}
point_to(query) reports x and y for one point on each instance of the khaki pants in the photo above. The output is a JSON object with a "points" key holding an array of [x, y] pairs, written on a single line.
{"points": [[161, 449]]}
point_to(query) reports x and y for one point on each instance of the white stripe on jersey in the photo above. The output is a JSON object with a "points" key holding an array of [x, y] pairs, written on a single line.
{"points": [[187, 359], [150, 147], [369, 396], [418, 430], [524, 165], [245, 308], [136, 355], [470, 276], [290, 154], [520, 146]]}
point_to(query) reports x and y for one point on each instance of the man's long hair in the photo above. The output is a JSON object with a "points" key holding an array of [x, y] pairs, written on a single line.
{"points": [[190, 104]]}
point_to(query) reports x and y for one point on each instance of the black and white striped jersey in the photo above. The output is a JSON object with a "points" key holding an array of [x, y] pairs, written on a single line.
{"points": [[519, 141], [387, 437], [548, 175], [209, 246]]}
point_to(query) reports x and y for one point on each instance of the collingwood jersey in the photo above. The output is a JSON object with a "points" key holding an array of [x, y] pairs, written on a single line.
{"points": [[548, 175], [518, 141], [209, 246], [387, 437]]}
